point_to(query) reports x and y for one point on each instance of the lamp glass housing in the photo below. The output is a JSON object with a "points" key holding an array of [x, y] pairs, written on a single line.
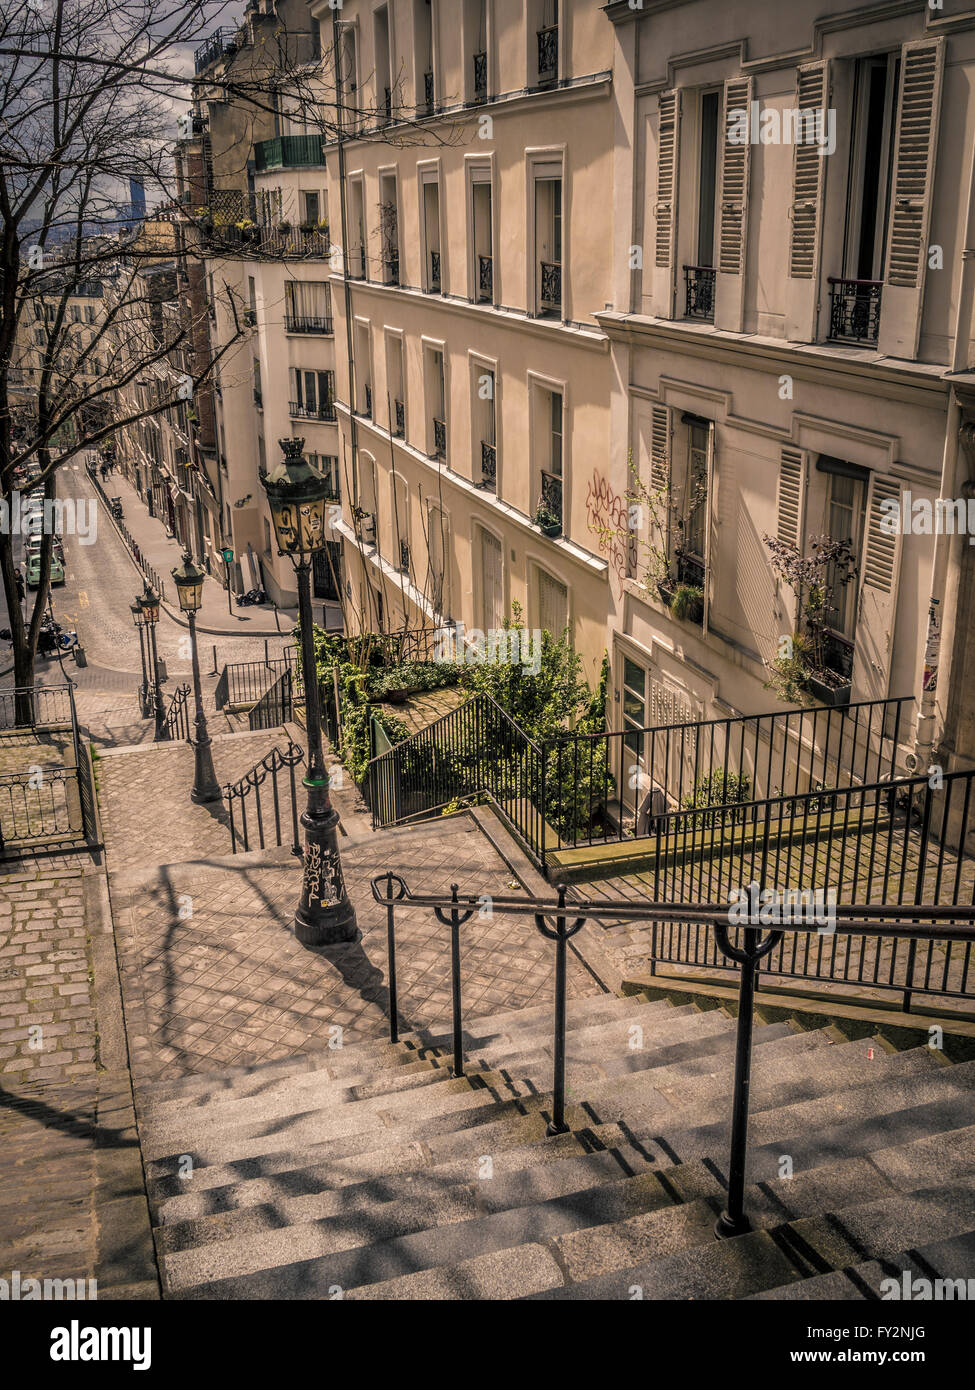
{"points": [[189, 584], [136, 609], [298, 498], [149, 603]]}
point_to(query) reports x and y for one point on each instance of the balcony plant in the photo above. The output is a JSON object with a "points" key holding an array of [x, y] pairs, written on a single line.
{"points": [[548, 522], [801, 672], [687, 603]]}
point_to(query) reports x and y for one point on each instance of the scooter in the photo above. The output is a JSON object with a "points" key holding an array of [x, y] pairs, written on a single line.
{"points": [[252, 596]]}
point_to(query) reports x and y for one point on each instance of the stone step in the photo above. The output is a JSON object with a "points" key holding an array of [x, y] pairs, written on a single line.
{"points": [[952, 1259], [364, 1057], [324, 1258]]}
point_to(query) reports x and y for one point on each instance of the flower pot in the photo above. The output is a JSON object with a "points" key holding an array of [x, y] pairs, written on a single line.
{"points": [[550, 528], [827, 694]]}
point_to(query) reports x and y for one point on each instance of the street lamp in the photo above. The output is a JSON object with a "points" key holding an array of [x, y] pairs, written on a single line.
{"points": [[149, 603], [297, 496], [189, 586], [136, 609]]}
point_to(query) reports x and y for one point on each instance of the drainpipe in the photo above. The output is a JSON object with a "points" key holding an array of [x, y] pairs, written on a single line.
{"points": [[931, 659]]}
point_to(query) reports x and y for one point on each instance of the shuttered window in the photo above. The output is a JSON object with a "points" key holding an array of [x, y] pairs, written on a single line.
{"points": [[553, 604], [492, 582], [920, 98], [660, 449], [812, 94], [880, 554], [667, 150], [734, 183], [789, 526]]}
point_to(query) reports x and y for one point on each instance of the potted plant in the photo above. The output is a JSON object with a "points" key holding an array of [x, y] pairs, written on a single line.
{"points": [[546, 520], [284, 227], [687, 603], [801, 668]]}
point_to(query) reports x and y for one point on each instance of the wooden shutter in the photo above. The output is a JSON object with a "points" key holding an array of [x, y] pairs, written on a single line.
{"points": [[660, 452], [553, 604], [732, 213], [492, 582], [879, 574], [710, 525], [918, 111], [791, 508], [665, 208], [805, 241]]}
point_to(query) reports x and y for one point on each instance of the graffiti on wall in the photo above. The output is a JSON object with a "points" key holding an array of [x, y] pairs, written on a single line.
{"points": [[608, 518]]}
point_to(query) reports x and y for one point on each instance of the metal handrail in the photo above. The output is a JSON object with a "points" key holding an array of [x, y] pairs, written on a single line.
{"points": [[250, 784], [752, 946]]}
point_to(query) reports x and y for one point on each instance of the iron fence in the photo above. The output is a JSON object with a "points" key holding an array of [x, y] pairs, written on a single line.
{"points": [[30, 706], [245, 796], [244, 682], [277, 705], [177, 716], [39, 805], [747, 946]]}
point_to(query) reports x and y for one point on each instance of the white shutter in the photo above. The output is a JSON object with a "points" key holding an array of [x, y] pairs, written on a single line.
{"points": [[492, 582], [710, 524], [665, 208], [880, 571], [805, 240], [918, 111], [660, 453], [553, 604], [732, 213], [791, 500]]}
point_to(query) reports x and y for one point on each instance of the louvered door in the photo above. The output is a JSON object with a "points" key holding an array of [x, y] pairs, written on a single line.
{"points": [[732, 213], [790, 517], [665, 207], [806, 231], [879, 574], [660, 519], [918, 111]]}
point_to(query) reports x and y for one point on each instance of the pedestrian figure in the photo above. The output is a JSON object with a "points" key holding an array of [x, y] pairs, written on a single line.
{"points": [[137, 553], [20, 585]]}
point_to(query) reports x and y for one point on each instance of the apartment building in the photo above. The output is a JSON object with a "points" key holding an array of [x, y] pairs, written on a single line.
{"points": [[790, 349], [468, 181]]}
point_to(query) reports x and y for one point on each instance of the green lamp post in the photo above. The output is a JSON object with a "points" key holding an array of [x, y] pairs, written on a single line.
{"points": [[189, 587]]}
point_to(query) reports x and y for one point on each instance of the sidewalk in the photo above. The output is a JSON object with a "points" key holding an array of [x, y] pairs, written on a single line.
{"points": [[165, 552]]}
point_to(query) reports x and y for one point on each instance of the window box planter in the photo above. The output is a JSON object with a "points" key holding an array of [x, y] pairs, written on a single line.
{"points": [[687, 603], [829, 689]]}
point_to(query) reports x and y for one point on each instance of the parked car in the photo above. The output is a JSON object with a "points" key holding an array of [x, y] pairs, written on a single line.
{"points": [[34, 569], [34, 547]]}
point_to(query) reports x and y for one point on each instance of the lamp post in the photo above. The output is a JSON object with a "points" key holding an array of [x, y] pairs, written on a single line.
{"points": [[149, 603], [297, 495], [136, 609], [189, 586]]}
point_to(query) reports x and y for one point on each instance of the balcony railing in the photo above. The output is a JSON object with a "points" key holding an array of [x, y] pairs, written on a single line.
{"points": [[404, 555], [388, 104], [400, 413], [307, 323], [854, 311], [288, 152], [440, 438], [391, 267], [552, 493], [551, 291], [222, 40], [428, 90], [489, 466], [548, 53], [312, 412], [367, 408], [485, 280], [699, 292], [258, 399], [480, 76], [435, 271]]}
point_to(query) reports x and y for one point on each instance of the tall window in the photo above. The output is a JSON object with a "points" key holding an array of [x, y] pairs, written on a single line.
{"points": [[708, 178], [308, 306], [871, 162], [845, 512], [548, 245], [553, 604], [690, 563], [313, 394]]}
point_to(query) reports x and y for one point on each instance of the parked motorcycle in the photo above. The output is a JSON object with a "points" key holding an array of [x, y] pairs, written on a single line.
{"points": [[252, 596], [116, 505]]}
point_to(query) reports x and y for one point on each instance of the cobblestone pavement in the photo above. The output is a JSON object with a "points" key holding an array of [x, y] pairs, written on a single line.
{"points": [[213, 975]]}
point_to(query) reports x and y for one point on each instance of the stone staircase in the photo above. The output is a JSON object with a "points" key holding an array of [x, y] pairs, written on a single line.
{"points": [[374, 1173]]}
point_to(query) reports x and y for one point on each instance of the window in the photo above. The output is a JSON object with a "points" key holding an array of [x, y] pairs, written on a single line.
{"points": [[548, 454], [634, 706], [548, 244], [258, 395], [492, 610], [844, 521], [871, 155], [423, 57], [396, 382], [363, 374], [384, 95], [313, 395], [310, 206], [476, 60], [484, 412], [328, 465], [481, 219], [348, 77], [430, 211], [437, 398], [437, 551], [690, 550], [389, 228], [553, 604], [357, 231], [267, 537], [543, 62], [308, 306]]}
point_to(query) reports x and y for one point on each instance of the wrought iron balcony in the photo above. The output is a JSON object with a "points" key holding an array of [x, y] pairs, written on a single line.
{"points": [[367, 392], [552, 493], [404, 555], [388, 104], [489, 466], [699, 292], [691, 570], [485, 280], [548, 53], [400, 412], [307, 323], [309, 412], [551, 292], [854, 311], [440, 438], [480, 76], [435, 271], [428, 90], [391, 267], [258, 399], [222, 40]]}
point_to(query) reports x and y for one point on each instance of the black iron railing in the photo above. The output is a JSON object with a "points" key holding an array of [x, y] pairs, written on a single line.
{"points": [[39, 806], [307, 323], [23, 707], [552, 494], [548, 53], [177, 723], [400, 417], [747, 946], [551, 288], [248, 808], [391, 266], [440, 438], [480, 76], [428, 91], [244, 682], [854, 310], [699, 292], [489, 466], [485, 280], [404, 555], [216, 45], [276, 705], [367, 406], [435, 271], [309, 412]]}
